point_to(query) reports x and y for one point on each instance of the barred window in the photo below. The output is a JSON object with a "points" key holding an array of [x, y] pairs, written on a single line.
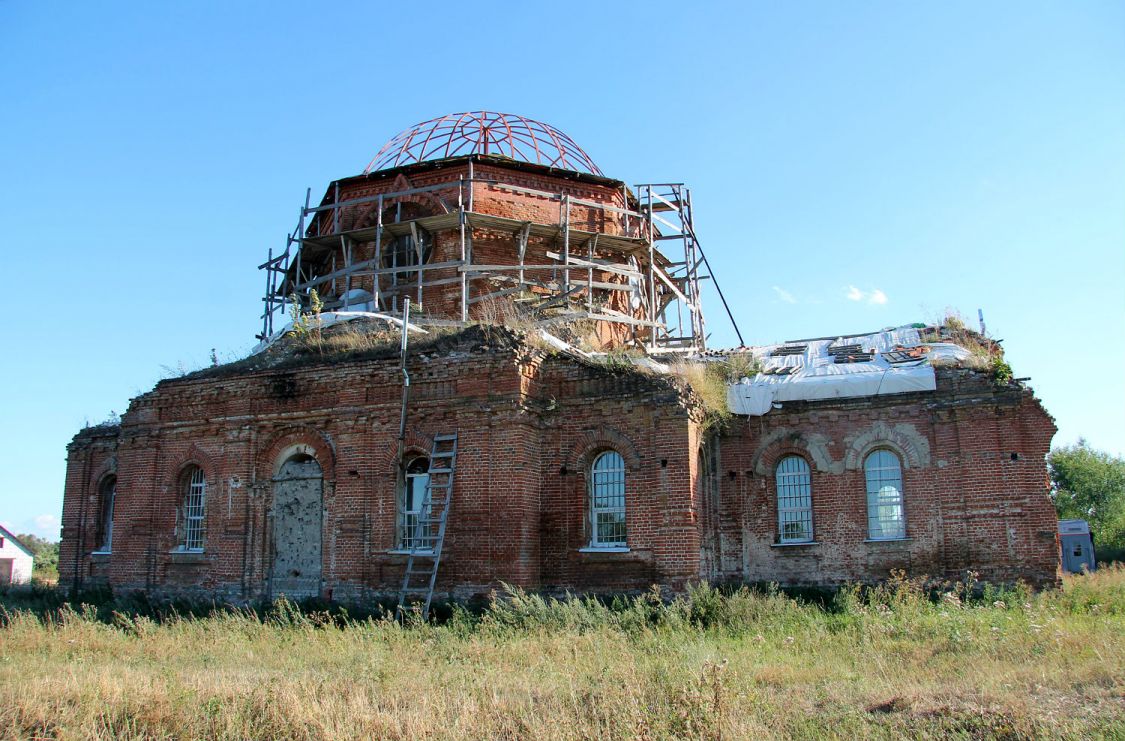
{"points": [[885, 518], [195, 503], [794, 501], [416, 533], [607, 501]]}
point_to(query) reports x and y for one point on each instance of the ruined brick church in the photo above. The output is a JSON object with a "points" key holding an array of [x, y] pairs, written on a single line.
{"points": [[482, 361]]}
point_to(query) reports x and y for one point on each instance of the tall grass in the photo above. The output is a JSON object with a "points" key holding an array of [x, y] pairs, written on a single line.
{"points": [[886, 662]]}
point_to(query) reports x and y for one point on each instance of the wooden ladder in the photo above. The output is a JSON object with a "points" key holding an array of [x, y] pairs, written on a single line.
{"points": [[422, 563]]}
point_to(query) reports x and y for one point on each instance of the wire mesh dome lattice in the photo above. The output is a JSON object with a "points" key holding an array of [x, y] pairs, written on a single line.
{"points": [[483, 132]]}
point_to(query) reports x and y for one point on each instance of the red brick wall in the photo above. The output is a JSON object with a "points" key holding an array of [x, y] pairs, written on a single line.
{"points": [[974, 485], [485, 246], [529, 425], [90, 460], [520, 416]]}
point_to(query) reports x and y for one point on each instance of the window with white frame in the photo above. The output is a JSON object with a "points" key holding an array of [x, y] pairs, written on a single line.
{"points": [[794, 500], [107, 494], [607, 501], [885, 517], [415, 533], [195, 505]]}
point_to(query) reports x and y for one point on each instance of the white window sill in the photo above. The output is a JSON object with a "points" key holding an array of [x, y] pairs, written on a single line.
{"points": [[886, 540], [796, 544], [604, 549], [101, 553], [191, 551], [405, 552]]}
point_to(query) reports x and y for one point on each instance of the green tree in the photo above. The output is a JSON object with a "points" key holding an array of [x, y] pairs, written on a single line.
{"points": [[46, 554], [1089, 485]]}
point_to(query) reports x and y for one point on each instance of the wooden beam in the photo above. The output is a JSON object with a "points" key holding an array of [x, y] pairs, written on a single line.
{"points": [[360, 269], [604, 286], [502, 268], [615, 268]]}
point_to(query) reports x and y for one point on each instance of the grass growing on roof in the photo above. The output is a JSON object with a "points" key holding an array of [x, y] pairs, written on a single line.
{"points": [[709, 379]]}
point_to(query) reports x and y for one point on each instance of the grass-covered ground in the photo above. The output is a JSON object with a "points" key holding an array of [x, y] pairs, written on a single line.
{"points": [[890, 662]]}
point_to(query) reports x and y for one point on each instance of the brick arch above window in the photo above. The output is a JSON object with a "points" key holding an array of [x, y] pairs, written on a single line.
{"points": [[430, 203], [107, 468], [416, 444], [775, 445], [593, 442], [196, 457], [911, 446], [306, 440]]}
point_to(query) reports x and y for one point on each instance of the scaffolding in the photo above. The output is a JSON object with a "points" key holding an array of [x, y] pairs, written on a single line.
{"points": [[650, 255]]}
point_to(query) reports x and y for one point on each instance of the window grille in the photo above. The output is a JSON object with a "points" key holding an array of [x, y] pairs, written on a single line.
{"points": [[607, 501], [416, 534], [885, 518], [194, 507], [794, 501]]}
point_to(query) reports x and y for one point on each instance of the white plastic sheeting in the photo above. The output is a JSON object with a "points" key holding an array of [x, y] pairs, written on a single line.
{"points": [[818, 376], [328, 318]]}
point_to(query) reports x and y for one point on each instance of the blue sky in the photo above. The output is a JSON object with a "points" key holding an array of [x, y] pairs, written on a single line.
{"points": [[853, 166]]}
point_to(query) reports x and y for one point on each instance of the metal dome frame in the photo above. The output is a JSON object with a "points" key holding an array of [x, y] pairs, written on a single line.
{"points": [[484, 132]]}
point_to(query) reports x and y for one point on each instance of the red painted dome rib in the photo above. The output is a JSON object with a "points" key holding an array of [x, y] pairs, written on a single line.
{"points": [[483, 132]]}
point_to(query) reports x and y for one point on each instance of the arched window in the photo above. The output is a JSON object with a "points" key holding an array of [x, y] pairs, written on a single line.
{"points": [[415, 533], [194, 508], [607, 501], [404, 252], [885, 517], [107, 493], [794, 500]]}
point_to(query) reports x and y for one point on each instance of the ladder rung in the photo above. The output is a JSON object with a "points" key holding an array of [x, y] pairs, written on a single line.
{"points": [[438, 515]]}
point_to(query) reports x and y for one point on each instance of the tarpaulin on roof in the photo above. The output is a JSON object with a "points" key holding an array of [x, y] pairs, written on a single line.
{"points": [[840, 368]]}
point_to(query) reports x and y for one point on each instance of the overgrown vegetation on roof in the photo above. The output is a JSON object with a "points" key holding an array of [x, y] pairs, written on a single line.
{"points": [[708, 380], [987, 356]]}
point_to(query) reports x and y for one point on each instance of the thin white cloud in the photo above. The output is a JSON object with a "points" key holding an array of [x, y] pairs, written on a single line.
{"points": [[46, 525], [875, 296], [784, 295]]}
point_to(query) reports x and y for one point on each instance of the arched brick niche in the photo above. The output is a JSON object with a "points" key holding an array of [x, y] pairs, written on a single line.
{"points": [[904, 439], [301, 440], [592, 442], [812, 446]]}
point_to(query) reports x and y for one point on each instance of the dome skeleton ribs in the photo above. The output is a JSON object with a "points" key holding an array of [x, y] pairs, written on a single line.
{"points": [[606, 267], [482, 132]]}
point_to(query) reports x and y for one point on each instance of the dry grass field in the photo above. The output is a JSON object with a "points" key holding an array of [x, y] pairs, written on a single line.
{"points": [[892, 662]]}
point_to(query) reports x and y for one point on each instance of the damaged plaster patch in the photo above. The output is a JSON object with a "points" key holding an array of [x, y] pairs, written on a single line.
{"points": [[814, 443]]}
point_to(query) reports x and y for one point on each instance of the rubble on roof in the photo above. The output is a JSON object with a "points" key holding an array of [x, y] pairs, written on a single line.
{"points": [[329, 318], [892, 361]]}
